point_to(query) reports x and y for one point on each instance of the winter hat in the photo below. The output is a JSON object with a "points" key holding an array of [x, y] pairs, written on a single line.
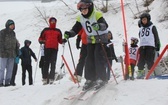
{"points": [[86, 4], [134, 41], [8, 23], [52, 22], [145, 15], [26, 42]]}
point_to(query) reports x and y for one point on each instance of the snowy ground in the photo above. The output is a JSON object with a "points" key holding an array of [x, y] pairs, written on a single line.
{"points": [[29, 25]]}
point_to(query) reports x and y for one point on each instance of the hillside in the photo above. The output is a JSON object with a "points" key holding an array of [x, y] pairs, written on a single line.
{"points": [[29, 24]]}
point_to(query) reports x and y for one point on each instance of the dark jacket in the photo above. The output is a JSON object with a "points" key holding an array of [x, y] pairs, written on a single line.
{"points": [[8, 43], [26, 54], [110, 52]]}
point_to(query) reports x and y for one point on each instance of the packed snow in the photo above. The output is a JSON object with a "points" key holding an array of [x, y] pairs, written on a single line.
{"points": [[29, 25]]}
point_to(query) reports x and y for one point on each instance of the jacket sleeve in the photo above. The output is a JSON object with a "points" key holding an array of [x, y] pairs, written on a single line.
{"points": [[1, 41], [42, 37], [60, 37], [102, 23], [76, 28], [33, 54], [156, 36]]}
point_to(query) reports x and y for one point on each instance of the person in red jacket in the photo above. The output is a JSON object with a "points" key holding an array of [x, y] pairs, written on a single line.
{"points": [[83, 53], [50, 37]]}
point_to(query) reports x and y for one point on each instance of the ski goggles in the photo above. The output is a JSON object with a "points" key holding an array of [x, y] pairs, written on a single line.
{"points": [[82, 6]]}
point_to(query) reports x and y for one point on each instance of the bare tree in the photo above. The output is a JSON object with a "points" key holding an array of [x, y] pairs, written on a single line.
{"points": [[68, 6], [137, 6], [164, 13]]}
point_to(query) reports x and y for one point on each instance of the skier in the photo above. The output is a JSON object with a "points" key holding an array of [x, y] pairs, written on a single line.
{"points": [[133, 53], [95, 27], [149, 43], [83, 53]]}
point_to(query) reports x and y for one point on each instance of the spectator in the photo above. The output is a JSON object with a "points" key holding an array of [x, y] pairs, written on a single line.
{"points": [[15, 67], [26, 54], [50, 37], [8, 51], [110, 54]]}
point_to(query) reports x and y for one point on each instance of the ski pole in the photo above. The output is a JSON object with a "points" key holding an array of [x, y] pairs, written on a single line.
{"points": [[68, 69], [73, 60], [37, 63], [106, 57]]}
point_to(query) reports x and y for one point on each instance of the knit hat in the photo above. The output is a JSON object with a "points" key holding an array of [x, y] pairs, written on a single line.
{"points": [[52, 25], [8, 23]]}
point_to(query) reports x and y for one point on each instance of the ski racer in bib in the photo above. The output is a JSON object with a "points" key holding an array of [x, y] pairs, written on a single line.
{"points": [[149, 43], [92, 22], [133, 53]]}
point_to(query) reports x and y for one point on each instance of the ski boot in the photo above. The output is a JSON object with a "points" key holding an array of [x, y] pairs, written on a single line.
{"points": [[99, 84], [88, 85], [141, 74]]}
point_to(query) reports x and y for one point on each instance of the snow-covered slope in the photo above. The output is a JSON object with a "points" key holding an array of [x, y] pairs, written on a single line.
{"points": [[29, 24]]}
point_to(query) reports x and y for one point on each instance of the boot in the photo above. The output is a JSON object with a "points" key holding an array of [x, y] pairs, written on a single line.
{"points": [[140, 74], [51, 81], [77, 78], [44, 81], [99, 83], [58, 76], [88, 84]]}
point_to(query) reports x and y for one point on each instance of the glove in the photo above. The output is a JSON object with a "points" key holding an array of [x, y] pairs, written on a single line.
{"points": [[96, 26], [64, 40], [116, 59], [78, 42], [67, 34], [42, 41]]}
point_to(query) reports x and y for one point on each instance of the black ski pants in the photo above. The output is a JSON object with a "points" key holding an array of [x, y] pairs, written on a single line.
{"points": [[50, 56], [95, 67], [147, 54], [15, 67], [41, 65], [29, 69], [82, 59]]}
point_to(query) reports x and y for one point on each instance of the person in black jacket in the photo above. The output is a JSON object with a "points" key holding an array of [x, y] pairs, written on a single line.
{"points": [[25, 56], [110, 53]]}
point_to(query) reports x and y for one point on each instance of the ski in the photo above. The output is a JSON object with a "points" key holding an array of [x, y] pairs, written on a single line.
{"points": [[91, 93], [78, 94], [74, 95], [94, 90]]}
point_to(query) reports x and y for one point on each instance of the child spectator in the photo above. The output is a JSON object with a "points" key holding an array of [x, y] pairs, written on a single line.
{"points": [[26, 54], [110, 53]]}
